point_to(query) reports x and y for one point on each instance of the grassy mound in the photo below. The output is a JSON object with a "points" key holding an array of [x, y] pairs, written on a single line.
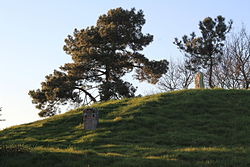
{"points": [[183, 128]]}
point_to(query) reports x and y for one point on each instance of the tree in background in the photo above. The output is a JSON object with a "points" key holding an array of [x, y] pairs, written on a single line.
{"points": [[1, 114], [177, 77], [205, 51], [226, 76], [234, 69], [101, 55]]}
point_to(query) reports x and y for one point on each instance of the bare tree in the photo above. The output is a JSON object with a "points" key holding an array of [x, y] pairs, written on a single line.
{"points": [[240, 48], [187, 76], [234, 69], [177, 77], [1, 114], [226, 74]]}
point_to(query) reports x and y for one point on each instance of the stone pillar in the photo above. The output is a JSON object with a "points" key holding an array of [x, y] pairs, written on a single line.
{"points": [[198, 80], [90, 118]]}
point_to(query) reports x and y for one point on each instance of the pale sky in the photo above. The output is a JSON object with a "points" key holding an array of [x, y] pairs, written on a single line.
{"points": [[32, 34]]}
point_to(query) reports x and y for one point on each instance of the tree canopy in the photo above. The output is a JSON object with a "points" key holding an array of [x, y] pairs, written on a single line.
{"points": [[101, 56], [204, 52]]}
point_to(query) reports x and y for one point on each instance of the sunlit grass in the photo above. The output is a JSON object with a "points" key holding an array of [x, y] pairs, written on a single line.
{"points": [[205, 149], [182, 128]]}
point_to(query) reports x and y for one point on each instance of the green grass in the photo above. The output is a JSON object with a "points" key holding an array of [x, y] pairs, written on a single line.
{"points": [[189, 128]]}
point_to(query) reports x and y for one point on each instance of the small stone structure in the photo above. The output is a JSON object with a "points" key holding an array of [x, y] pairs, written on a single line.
{"points": [[90, 118], [198, 80]]}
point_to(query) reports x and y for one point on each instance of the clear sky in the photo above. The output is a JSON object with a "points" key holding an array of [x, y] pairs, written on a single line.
{"points": [[32, 35]]}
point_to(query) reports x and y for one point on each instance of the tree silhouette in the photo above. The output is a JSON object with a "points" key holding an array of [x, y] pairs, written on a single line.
{"points": [[1, 114], [101, 56], [205, 51]]}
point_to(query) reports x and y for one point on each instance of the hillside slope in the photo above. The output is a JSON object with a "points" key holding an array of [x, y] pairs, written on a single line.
{"points": [[182, 128]]}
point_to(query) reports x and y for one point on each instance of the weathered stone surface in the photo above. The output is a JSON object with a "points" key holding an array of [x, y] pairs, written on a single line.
{"points": [[198, 80], [90, 118]]}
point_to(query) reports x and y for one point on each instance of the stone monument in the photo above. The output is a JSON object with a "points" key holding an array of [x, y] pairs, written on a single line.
{"points": [[198, 80], [90, 118]]}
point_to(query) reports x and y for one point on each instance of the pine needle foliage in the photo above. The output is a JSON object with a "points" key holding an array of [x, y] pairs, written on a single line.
{"points": [[101, 56]]}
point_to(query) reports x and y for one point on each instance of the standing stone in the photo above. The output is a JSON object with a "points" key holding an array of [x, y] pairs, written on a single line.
{"points": [[198, 80], [90, 118]]}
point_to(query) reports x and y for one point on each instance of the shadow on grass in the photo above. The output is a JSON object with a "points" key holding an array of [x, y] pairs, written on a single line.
{"points": [[109, 156]]}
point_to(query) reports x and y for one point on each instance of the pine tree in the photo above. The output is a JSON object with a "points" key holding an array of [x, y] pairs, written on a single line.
{"points": [[101, 56], [205, 52]]}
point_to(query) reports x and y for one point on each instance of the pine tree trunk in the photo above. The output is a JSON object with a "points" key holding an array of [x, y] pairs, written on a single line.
{"points": [[210, 81]]}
